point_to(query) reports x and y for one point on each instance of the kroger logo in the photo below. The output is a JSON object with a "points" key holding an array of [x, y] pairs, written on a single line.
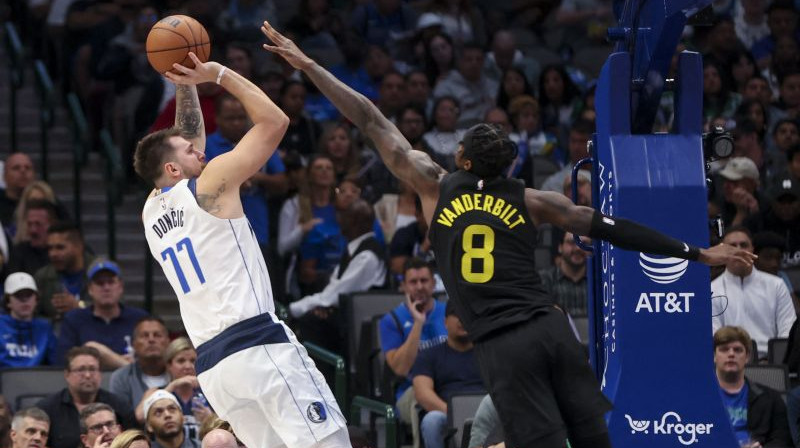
{"points": [[670, 424], [662, 270]]}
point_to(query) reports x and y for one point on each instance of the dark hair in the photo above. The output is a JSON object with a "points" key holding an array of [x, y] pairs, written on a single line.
{"points": [[783, 74], [489, 149], [149, 319], [416, 263], [776, 5], [785, 121], [571, 91], [240, 46], [431, 69], [502, 97], [290, 83], [42, 204], [792, 152], [151, 152], [222, 98], [79, 350], [90, 410], [417, 110], [768, 239], [582, 126], [741, 229], [439, 101], [743, 113], [293, 161], [73, 233]]}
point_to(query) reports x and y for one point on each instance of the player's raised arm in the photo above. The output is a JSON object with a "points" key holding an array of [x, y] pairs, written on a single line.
{"points": [[189, 117], [408, 165], [255, 148], [557, 209]]}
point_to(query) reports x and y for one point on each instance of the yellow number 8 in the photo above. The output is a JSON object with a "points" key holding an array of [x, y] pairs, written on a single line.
{"points": [[472, 253]]}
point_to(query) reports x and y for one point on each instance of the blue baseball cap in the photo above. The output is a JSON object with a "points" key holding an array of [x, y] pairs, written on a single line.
{"points": [[102, 265]]}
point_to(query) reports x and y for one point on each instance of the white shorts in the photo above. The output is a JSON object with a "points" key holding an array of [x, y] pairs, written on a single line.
{"points": [[273, 395]]}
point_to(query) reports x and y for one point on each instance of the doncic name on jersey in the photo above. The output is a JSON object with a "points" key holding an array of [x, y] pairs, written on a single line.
{"points": [[172, 219], [480, 202]]}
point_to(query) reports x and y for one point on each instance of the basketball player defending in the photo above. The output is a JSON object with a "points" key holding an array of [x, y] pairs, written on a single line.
{"points": [[249, 364], [483, 230]]}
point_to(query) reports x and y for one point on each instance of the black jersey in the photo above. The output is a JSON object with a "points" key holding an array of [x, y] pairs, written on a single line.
{"points": [[484, 244]]}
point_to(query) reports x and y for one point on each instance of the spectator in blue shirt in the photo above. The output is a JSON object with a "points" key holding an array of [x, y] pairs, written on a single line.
{"points": [[107, 325], [444, 370], [757, 413], [271, 180], [412, 327], [27, 341]]}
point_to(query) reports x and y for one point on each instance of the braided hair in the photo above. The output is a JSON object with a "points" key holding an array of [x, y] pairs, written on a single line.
{"points": [[489, 149]]}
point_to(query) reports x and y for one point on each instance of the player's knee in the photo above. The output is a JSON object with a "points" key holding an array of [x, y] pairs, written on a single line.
{"points": [[219, 438]]}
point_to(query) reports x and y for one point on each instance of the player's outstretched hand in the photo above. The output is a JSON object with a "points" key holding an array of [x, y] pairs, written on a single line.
{"points": [[722, 254], [285, 48], [202, 72]]}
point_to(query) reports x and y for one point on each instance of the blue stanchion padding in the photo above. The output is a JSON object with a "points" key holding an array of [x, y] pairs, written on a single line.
{"points": [[651, 328]]}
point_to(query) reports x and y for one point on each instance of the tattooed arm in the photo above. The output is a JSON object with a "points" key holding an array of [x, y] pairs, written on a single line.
{"points": [[218, 185], [189, 117], [411, 166]]}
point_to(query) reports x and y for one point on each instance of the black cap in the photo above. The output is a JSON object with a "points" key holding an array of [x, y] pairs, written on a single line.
{"points": [[449, 308], [785, 187]]}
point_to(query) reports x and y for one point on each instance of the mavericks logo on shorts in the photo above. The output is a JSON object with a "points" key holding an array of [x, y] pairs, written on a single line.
{"points": [[316, 412]]}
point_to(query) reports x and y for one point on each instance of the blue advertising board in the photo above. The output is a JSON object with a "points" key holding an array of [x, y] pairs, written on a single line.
{"points": [[652, 344]]}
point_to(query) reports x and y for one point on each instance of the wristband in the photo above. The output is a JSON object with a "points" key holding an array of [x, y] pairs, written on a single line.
{"points": [[221, 72]]}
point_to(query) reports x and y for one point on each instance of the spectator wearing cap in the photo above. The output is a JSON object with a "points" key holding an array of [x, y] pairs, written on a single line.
{"points": [[741, 200], [106, 324], [164, 421], [783, 218], [749, 298], [26, 341]]}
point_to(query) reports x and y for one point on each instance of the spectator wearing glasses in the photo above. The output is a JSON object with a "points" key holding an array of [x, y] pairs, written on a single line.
{"points": [[99, 426], [107, 325], [82, 373], [27, 341]]}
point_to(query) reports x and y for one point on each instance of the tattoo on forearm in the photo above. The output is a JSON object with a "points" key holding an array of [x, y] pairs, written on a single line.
{"points": [[189, 117], [210, 202]]}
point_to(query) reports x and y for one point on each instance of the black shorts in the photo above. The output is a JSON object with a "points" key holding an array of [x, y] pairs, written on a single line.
{"points": [[540, 380]]}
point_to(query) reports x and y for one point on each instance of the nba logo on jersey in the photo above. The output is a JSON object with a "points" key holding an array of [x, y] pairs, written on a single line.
{"points": [[316, 412]]}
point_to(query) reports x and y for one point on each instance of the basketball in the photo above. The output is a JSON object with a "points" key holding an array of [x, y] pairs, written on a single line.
{"points": [[172, 38]]}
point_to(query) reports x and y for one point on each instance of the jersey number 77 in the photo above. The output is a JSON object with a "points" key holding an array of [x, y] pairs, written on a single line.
{"points": [[183, 245]]}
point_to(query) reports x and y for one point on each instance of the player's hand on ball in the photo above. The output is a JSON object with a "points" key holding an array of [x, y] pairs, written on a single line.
{"points": [[286, 48], [202, 72]]}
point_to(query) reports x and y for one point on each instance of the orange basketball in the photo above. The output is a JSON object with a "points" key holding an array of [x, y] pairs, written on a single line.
{"points": [[172, 38]]}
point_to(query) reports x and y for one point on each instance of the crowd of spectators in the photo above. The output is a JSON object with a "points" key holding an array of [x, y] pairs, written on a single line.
{"points": [[329, 216]]}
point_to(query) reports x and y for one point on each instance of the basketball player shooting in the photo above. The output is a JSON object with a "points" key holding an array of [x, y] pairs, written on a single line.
{"points": [[483, 231], [250, 366]]}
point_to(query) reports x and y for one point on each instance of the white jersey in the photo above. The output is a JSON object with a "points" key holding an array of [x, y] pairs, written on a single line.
{"points": [[214, 265]]}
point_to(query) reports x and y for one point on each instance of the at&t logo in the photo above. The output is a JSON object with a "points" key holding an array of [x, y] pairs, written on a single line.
{"points": [[663, 270], [670, 424]]}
